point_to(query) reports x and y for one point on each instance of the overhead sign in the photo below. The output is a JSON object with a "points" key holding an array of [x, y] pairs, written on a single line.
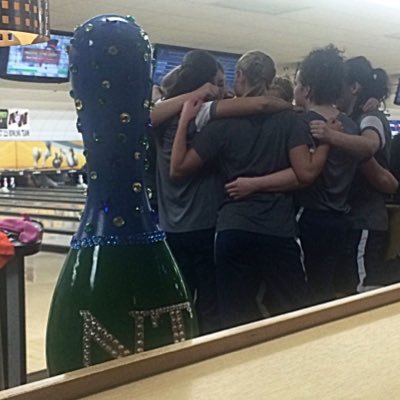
{"points": [[14, 124]]}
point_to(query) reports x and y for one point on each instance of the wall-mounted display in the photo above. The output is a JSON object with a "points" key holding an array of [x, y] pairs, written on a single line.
{"points": [[43, 62]]}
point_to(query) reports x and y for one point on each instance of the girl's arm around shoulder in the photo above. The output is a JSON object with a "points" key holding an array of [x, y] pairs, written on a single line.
{"points": [[281, 181], [361, 146], [379, 177], [306, 164], [185, 161], [166, 109], [241, 106]]}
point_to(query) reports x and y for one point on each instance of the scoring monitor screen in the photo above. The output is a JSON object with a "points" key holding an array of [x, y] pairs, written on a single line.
{"points": [[44, 60], [168, 57]]}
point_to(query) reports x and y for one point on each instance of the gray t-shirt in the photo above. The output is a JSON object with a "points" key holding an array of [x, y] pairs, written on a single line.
{"points": [[368, 204], [190, 203], [254, 146], [331, 189]]}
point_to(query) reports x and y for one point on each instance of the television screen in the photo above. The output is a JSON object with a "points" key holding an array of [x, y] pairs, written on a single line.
{"points": [[43, 62], [168, 57], [397, 95]]}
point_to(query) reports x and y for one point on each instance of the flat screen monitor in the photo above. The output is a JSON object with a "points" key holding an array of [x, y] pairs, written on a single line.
{"points": [[394, 127], [397, 95], [168, 57], [43, 62]]}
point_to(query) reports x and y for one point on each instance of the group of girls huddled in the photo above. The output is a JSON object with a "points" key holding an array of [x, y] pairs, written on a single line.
{"points": [[268, 207]]}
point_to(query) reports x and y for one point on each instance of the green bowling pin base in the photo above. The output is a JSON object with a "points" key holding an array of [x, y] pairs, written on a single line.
{"points": [[110, 302]]}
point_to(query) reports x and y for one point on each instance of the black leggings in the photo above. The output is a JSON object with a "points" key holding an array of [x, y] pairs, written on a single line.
{"points": [[364, 261], [322, 235], [246, 260], [194, 253]]}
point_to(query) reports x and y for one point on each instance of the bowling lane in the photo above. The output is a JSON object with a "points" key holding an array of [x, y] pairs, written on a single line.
{"points": [[37, 213], [42, 204], [42, 193], [48, 190], [35, 197], [59, 215]]}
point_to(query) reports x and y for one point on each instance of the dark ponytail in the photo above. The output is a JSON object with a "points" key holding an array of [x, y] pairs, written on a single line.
{"points": [[374, 82], [198, 67], [381, 84]]}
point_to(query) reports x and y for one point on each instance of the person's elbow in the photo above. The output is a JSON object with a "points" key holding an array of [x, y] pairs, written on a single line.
{"points": [[176, 172], [159, 115], [264, 105], [306, 180], [306, 177], [394, 188], [369, 152], [390, 186], [155, 120]]}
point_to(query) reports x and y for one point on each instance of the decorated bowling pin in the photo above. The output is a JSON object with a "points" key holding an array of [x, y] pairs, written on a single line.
{"points": [[120, 291]]}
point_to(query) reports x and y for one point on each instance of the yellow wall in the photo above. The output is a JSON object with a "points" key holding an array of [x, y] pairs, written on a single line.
{"points": [[8, 154]]}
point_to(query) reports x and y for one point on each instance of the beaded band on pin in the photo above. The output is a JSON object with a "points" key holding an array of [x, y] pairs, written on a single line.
{"points": [[140, 238]]}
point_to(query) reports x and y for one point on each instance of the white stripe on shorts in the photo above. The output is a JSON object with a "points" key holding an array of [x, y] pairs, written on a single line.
{"points": [[361, 259]]}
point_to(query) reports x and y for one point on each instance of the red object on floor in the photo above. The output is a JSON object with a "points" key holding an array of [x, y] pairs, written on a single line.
{"points": [[7, 249]]}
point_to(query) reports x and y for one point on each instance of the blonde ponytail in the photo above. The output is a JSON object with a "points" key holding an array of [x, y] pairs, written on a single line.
{"points": [[259, 70]]}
